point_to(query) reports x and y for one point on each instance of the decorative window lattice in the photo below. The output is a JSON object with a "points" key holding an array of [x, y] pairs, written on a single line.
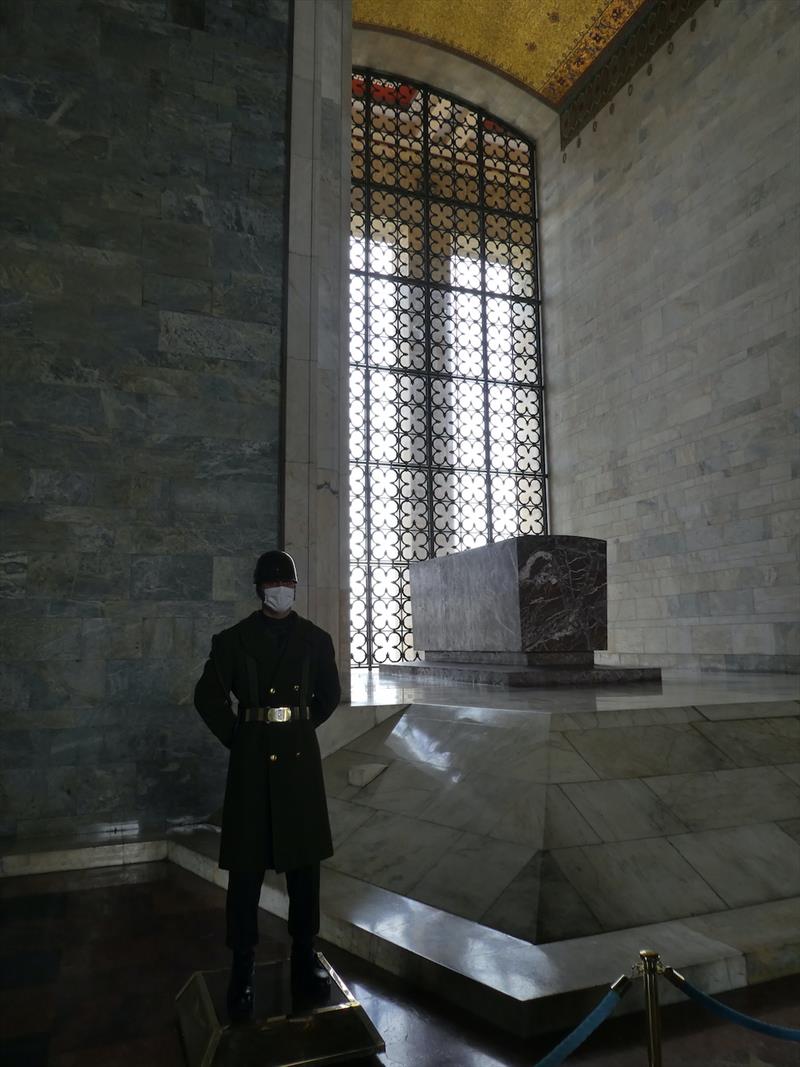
{"points": [[446, 407]]}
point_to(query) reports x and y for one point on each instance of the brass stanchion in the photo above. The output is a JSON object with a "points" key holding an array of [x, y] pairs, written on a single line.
{"points": [[650, 965]]}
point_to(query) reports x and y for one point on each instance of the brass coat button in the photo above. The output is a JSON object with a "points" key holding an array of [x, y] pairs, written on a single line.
{"points": [[272, 690], [297, 753], [297, 689], [273, 758]]}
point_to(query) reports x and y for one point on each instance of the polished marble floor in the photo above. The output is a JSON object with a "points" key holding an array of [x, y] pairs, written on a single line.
{"points": [[676, 689], [90, 962]]}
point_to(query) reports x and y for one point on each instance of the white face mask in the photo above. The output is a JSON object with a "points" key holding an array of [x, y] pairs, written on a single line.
{"points": [[279, 598]]}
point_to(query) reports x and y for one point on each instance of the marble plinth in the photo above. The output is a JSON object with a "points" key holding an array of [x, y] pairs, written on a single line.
{"points": [[526, 594], [515, 676]]}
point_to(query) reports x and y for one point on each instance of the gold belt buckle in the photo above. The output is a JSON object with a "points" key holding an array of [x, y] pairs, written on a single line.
{"points": [[283, 714]]}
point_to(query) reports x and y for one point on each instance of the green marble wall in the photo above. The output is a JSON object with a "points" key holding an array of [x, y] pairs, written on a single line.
{"points": [[142, 167]]}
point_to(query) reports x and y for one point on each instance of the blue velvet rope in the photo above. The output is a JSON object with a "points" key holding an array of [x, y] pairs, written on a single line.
{"points": [[786, 1033], [595, 1017]]}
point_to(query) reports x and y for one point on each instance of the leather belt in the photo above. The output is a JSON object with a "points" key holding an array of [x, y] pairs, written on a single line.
{"points": [[279, 714]]}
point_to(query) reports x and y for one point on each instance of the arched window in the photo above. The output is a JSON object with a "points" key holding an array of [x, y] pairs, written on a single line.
{"points": [[446, 431]]}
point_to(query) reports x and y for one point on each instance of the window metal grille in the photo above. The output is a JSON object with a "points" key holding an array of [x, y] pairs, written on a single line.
{"points": [[446, 404]]}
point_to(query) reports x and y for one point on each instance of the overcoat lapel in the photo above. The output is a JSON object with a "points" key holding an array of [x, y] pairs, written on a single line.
{"points": [[256, 645]]}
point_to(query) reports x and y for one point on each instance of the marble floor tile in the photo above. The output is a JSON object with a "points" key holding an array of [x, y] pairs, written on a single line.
{"points": [[631, 882], [709, 800], [791, 827], [393, 851], [372, 742], [492, 805], [744, 864], [540, 905], [346, 817], [518, 755], [588, 720], [564, 825], [471, 874], [564, 764], [442, 744], [563, 914], [404, 788], [751, 742], [336, 768], [516, 910], [364, 773], [622, 810], [642, 751], [767, 709], [792, 770]]}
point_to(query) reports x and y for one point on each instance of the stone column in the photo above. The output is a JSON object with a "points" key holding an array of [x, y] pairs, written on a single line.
{"points": [[315, 464]]}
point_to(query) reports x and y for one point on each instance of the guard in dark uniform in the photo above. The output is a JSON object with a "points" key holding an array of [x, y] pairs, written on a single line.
{"points": [[282, 670]]}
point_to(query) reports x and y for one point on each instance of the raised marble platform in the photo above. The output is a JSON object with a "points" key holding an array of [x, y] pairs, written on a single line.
{"points": [[703, 768], [520, 987]]}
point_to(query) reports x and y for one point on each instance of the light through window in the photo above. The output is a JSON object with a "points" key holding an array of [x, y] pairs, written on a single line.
{"points": [[446, 435]]}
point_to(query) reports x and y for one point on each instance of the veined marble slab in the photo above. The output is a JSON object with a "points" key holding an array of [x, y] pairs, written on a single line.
{"points": [[750, 742], [709, 800], [525, 594], [644, 751], [627, 883], [619, 810], [744, 864]]}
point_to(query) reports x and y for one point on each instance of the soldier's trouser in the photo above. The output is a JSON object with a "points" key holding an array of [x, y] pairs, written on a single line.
{"points": [[241, 906]]}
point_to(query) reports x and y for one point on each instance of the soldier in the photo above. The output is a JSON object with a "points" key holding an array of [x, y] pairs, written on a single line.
{"points": [[282, 670]]}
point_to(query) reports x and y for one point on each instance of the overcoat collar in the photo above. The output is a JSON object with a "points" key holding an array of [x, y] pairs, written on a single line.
{"points": [[253, 638]]}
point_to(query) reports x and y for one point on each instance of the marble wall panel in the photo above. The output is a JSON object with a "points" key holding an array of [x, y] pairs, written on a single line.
{"points": [[144, 253], [315, 527], [670, 380]]}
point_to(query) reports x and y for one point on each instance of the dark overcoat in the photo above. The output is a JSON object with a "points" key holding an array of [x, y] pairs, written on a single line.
{"points": [[275, 813]]}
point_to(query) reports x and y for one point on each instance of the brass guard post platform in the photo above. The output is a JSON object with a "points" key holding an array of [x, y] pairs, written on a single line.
{"points": [[283, 1033]]}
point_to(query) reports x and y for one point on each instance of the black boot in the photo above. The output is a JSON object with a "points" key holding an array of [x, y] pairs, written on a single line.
{"points": [[241, 993], [309, 978]]}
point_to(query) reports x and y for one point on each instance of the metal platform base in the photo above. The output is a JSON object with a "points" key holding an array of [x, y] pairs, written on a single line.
{"points": [[283, 1033]]}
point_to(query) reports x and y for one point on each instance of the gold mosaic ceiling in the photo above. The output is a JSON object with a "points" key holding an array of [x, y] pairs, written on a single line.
{"points": [[543, 45]]}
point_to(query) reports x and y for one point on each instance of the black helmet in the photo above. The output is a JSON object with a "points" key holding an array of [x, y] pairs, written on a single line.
{"points": [[275, 566]]}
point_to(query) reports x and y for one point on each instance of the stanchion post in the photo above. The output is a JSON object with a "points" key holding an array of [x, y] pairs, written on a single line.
{"points": [[650, 964]]}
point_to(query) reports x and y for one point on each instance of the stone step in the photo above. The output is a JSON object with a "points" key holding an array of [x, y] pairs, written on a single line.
{"points": [[522, 988]]}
